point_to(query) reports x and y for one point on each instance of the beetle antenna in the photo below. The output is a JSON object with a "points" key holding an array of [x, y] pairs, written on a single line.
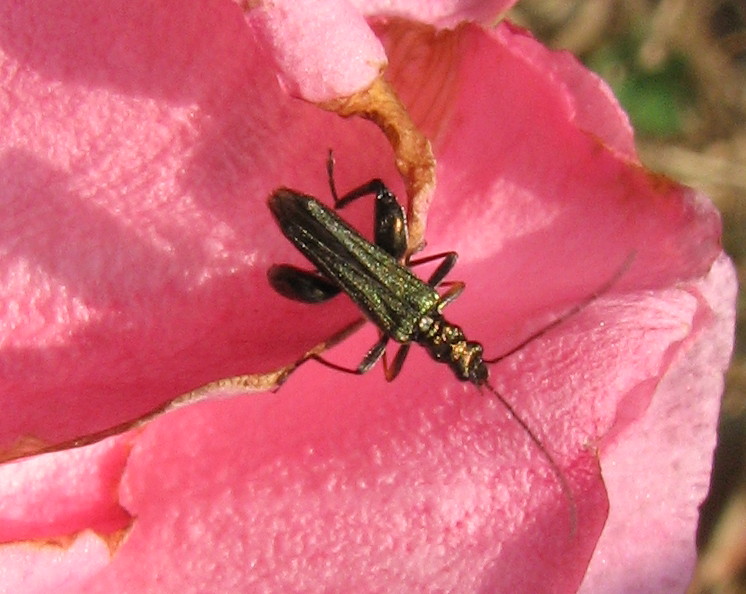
{"points": [[556, 470], [574, 310]]}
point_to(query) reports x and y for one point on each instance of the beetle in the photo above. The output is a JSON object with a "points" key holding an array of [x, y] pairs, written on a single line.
{"points": [[378, 279], [376, 276]]}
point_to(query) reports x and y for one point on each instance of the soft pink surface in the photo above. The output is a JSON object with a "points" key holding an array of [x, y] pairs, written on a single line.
{"points": [[667, 448], [33, 569], [136, 164], [330, 55], [60, 494]]}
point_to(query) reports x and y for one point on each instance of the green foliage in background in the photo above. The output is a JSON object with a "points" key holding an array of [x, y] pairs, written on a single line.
{"points": [[656, 99]]}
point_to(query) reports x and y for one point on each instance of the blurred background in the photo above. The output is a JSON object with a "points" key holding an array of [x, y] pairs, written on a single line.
{"points": [[679, 69]]}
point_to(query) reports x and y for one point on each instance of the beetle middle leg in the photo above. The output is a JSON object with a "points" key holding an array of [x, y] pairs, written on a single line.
{"points": [[389, 219]]}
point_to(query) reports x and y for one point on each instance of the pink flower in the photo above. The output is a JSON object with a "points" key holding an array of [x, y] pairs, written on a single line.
{"points": [[139, 147]]}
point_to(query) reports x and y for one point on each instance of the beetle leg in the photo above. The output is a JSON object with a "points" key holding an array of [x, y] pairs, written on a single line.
{"points": [[398, 362], [371, 358], [301, 285], [453, 291], [436, 278], [390, 221], [574, 310]]}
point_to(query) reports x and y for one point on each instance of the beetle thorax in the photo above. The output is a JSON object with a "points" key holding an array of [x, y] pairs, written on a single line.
{"points": [[446, 343]]}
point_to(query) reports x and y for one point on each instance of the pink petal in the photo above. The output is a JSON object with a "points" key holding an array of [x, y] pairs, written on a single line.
{"points": [[137, 208], [308, 51], [32, 568], [65, 507], [153, 283], [667, 456], [61, 494]]}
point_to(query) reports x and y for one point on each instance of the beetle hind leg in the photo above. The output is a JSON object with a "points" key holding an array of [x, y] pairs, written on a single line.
{"points": [[371, 358], [301, 285], [376, 352]]}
